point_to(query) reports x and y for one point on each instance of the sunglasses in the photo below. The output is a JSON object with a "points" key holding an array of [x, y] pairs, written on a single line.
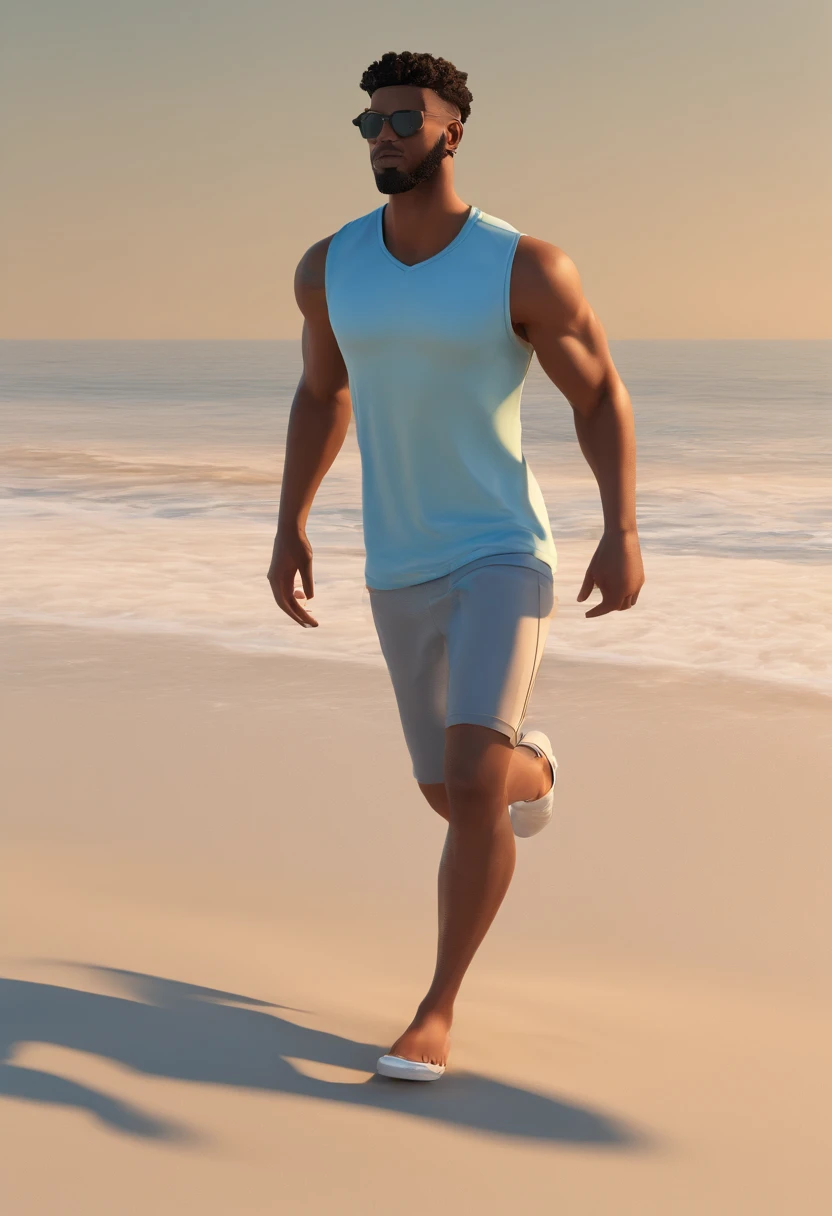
{"points": [[403, 122]]}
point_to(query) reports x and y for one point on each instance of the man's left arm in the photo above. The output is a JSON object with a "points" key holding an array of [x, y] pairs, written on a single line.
{"points": [[549, 308]]}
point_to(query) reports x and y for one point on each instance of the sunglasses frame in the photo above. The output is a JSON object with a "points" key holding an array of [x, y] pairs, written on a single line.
{"points": [[356, 122]]}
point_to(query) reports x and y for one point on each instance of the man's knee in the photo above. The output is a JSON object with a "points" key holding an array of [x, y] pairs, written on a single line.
{"points": [[437, 798], [476, 761]]}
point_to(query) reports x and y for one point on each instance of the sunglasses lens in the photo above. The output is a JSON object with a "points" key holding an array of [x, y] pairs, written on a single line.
{"points": [[406, 122], [370, 125], [403, 122]]}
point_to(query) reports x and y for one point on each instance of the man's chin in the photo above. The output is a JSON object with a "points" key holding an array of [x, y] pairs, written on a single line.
{"points": [[392, 181]]}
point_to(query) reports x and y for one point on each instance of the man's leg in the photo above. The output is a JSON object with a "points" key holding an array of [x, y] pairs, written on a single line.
{"points": [[474, 873], [529, 777]]}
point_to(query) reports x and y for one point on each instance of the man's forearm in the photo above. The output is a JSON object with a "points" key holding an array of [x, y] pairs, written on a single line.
{"points": [[314, 437], [606, 434]]}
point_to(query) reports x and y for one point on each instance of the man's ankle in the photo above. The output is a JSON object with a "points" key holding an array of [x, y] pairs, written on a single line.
{"points": [[428, 1008]]}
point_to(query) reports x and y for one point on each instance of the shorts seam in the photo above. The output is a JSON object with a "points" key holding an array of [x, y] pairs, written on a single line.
{"points": [[432, 617], [534, 664]]}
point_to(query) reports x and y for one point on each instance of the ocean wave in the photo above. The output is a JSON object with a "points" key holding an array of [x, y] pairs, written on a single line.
{"points": [[103, 468]]}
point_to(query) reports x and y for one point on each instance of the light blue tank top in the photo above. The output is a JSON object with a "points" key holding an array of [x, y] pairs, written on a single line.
{"points": [[436, 373]]}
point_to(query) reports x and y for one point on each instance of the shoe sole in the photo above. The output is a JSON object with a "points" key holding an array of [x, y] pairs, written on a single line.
{"points": [[408, 1070]]}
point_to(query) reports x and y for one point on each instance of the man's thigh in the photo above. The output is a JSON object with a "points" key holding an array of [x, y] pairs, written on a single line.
{"points": [[498, 618], [416, 654]]}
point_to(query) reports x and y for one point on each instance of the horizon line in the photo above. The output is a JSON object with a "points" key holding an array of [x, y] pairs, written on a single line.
{"points": [[297, 340]]}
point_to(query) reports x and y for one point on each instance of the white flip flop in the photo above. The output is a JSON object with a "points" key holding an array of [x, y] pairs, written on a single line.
{"points": [[408, 1070], [529, 818]]}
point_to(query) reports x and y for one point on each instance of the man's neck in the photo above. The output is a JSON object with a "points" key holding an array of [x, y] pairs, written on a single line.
{"points": [[419, 223]]}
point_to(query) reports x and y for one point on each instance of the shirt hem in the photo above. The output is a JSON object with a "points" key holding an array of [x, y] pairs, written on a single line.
{"points": [[485, 551]]}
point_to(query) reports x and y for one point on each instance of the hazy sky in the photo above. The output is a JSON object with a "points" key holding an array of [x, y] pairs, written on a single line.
{"points": [[164, 163]]}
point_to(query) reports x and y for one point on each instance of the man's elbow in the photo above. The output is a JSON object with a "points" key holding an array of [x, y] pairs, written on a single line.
{"points": [[610, 393]]}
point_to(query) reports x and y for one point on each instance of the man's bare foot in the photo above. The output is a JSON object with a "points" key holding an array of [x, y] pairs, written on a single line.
{"points": [[427, 1039]]}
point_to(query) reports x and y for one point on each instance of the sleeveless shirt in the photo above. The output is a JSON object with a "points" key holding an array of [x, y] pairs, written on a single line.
{"points": [[436, 374]]}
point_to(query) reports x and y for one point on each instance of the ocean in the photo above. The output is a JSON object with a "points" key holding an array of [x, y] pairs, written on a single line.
{"points": [[140, 484]]}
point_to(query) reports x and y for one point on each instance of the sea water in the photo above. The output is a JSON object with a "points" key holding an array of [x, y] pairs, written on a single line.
{"points": [[140, 484]]}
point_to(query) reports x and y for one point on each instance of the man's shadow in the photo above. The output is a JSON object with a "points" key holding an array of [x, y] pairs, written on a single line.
{"points": [[164, 1028]]}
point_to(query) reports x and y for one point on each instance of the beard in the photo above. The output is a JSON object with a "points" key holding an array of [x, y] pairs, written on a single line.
{"points": [[394, 181]]}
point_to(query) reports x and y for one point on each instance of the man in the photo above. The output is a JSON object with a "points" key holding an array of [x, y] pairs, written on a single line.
{"points": [[423, 316]]}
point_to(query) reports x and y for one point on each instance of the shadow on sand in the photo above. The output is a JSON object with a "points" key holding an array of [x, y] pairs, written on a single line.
{"points": [[164, 1028]]}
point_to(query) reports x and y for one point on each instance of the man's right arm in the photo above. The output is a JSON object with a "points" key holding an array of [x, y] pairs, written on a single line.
{"points": [[318, 424]]}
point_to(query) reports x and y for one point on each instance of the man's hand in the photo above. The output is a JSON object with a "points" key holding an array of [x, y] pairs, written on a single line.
{"points": [[617, 571], [292, 555]]}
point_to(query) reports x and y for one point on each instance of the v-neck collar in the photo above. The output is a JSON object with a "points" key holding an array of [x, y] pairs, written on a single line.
{"points": [[474, 215]]}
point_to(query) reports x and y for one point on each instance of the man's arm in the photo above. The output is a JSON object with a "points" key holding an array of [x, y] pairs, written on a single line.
{"points": [[318, 424], [548, 309]]}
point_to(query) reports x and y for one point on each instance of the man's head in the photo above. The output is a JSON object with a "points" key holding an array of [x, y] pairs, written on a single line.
{"points": [[409, 81]]}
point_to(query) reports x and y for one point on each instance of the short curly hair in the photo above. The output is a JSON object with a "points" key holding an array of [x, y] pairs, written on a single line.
{"points": [[423, 70]]}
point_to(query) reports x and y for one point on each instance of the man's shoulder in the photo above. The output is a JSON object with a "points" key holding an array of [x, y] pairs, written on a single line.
{"points": [[543, 269], [533, 252], [311, 269], [312, 266], [532, 255]]}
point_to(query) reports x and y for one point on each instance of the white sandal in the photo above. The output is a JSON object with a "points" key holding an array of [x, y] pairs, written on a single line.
{"points": [[408, 1070], [529, 818]]}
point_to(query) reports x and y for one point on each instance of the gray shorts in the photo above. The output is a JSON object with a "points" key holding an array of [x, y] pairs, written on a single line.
{"points": [[465, 647]]}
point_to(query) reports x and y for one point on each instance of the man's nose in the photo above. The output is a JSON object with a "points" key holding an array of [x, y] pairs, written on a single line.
{"points": [[386, 133]]}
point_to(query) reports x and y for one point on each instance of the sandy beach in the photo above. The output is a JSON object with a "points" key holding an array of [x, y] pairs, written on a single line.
{"points": [[218, 910]]}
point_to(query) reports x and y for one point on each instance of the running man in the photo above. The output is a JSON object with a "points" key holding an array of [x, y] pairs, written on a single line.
{"points": [[422, 317]]}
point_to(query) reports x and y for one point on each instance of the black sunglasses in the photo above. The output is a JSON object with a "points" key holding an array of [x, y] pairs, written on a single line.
{"points": [[403, 122]]}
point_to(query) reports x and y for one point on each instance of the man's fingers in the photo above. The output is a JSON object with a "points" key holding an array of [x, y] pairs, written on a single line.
{"points": [[303, 616], [608, 605], [306, 579], [284, 596], [602, 609], [308, 588], [586, 587], [288, 603]]}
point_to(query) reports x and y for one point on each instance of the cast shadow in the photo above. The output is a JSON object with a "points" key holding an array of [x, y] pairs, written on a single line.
{"points": [[164, 1028]]}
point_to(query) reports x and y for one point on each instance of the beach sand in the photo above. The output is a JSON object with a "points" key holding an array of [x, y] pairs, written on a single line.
{"points": [[218, 909]]}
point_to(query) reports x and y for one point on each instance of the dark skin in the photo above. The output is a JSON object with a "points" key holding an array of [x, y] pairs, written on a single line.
{"points": [[483, 771]]}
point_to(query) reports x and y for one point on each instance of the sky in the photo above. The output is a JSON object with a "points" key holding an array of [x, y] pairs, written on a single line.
{"points": [[165, 163]]}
